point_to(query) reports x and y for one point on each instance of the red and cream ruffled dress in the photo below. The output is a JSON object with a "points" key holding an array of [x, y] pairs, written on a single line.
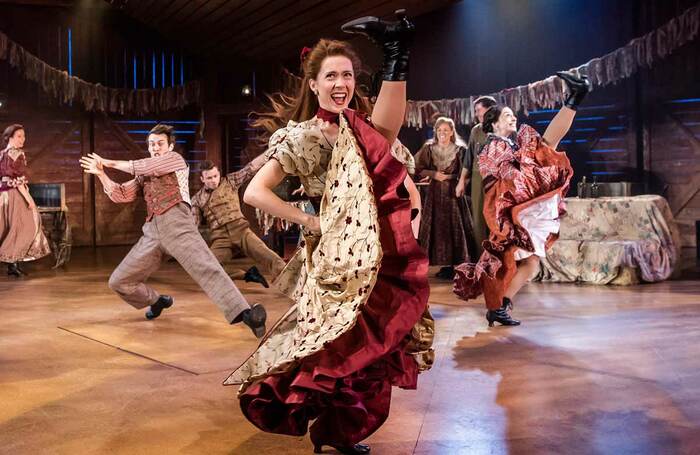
{"points": [[524, 186], [359, 324]]}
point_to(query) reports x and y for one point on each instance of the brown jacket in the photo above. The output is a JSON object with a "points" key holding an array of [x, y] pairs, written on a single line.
{"points": [[222, 206]]}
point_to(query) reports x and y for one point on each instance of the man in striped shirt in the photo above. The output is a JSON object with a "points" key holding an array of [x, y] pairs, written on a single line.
{"points": [[170, 229]]}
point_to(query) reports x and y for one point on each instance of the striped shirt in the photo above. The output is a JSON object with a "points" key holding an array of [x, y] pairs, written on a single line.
{"points": [[151, 167]]}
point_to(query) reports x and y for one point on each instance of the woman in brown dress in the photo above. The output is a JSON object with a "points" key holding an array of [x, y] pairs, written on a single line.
{"points": [[21, 237], [445, 229]]}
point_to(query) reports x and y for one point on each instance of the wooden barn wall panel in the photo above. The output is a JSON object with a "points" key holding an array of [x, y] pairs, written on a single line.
{"points": [[53, 157], [116, 224], [105, 45]]}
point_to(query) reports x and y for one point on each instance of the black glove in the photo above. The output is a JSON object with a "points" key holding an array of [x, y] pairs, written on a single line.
{"points": [[393, 37], [578, 88]]}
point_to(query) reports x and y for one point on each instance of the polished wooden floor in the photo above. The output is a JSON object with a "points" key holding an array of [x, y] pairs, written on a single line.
{"points": [[592, 370]]}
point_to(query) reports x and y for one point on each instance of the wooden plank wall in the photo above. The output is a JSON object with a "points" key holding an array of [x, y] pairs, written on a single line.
{"points": [[645, 129], [104, 48], [673, 107], [118, 224], [55, 141], [676, 158]]}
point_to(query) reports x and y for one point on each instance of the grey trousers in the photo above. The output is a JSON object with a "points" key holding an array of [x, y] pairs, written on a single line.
{"points": [[174, 233]]}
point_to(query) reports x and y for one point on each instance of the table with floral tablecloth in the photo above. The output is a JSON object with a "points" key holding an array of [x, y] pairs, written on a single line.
{"points": [[614, 240]]}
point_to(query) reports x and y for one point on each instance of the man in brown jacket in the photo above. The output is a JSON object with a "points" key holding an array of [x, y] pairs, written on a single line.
{"points": [[218, 203], [168, 229]]}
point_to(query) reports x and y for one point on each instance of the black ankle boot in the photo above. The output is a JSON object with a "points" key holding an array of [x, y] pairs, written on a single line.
{"points": [[356, 449], [578, 88], [254, 317], [501, 315], [14, 270], [163, 302], [393, 37], [253, 275]]}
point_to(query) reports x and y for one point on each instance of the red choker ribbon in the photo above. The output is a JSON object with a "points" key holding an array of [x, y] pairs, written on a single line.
{"points": [[327, 116]]}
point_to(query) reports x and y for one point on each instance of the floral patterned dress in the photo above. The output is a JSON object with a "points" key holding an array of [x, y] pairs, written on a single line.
{"points": [[525, 182]]}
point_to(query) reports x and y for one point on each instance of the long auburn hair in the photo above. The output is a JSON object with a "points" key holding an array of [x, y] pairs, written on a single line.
{"points": [[303, 104]]}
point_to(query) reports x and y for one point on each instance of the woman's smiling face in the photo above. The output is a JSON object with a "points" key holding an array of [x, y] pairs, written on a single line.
{"points": [[335, 83]]}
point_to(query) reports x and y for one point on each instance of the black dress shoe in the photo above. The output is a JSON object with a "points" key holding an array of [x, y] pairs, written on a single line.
{"points": [[393, 37], [356, 449], [254, 317], [253, 275], [14, 270], [578, 88], [163, 302], [501, 315]]}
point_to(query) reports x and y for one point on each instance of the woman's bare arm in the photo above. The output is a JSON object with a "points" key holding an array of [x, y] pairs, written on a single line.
{"points": [[259, 194]]}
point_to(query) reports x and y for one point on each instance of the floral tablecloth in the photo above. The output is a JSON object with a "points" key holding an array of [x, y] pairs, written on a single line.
{"points": [[614, 240]]}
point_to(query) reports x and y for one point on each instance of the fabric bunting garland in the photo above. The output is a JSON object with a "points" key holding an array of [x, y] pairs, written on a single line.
{"points": [[59, 85]]}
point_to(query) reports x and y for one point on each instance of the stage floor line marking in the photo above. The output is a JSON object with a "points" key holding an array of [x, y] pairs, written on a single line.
{"points": [[130, 352]]}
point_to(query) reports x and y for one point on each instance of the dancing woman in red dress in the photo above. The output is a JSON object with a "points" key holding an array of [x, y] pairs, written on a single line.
{"points": [[359, 324]]}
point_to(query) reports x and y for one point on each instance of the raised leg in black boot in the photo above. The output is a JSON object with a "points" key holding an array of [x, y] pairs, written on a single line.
{"points": [[394, 38], [579, 87], [562, 121]]}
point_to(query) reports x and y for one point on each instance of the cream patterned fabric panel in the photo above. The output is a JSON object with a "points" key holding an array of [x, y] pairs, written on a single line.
{"points": [[340, 272]]}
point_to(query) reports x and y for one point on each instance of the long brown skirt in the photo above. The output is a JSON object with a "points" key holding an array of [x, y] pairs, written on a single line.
{"points": [[446, 229], [21, 236]]}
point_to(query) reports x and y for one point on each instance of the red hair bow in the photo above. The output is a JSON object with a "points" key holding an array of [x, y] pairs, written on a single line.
{"points": [[304, 52]]}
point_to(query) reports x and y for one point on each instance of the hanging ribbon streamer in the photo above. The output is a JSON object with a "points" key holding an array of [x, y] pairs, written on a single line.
{"points": [[59, 85]]}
